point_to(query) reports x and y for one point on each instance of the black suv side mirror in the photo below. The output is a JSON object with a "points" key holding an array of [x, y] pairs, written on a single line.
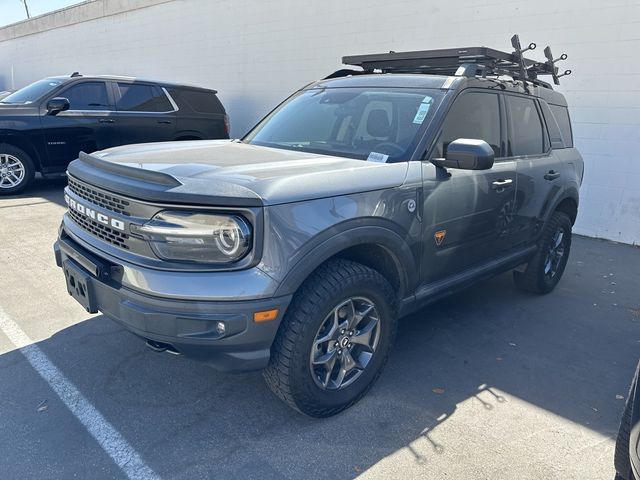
{"points": [[467, 154], [57, 105]]}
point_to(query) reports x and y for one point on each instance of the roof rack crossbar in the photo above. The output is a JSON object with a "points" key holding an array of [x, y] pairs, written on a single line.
{"points": [[477, 61]]}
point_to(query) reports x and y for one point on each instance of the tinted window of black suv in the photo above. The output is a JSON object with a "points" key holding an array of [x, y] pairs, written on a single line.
{"points": [[142, 98], [50, 121]]}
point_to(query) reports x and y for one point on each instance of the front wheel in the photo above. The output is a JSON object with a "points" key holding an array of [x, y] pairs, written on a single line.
{"points": [[334, 340], [547, 266], [16, 170]]}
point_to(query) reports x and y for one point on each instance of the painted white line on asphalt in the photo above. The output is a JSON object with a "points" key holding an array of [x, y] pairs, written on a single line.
{"points": [[111, 441]]}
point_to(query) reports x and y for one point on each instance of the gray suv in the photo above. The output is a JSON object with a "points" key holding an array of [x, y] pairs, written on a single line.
{"points": [[358, 200]]}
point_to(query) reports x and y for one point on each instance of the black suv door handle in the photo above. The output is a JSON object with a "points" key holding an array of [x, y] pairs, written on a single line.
{"points": [[105, 120], [551, 175], [501, 184], [166, 122]]}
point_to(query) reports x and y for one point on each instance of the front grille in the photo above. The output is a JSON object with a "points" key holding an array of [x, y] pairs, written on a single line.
{"points": [[109, 235], [104, 200]]}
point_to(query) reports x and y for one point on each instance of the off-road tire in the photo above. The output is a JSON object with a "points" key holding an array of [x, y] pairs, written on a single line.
{"points": [[621, 458], [26, 161], [289, 375], [534, 279]]}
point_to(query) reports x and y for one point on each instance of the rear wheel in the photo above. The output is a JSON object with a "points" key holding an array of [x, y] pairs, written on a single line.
{"points": [[547, 266], [334, 339], [16, 170]]}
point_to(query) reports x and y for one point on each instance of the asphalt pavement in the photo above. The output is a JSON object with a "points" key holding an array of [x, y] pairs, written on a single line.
{"points": [[490, 383]]}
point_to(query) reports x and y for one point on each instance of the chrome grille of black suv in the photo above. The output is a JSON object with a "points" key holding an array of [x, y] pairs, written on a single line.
{"points": [[110, 202], [103, 232]]}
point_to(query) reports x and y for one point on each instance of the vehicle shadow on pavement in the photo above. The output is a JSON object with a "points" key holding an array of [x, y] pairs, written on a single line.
{"points": [[41, 190], [487, 345]]}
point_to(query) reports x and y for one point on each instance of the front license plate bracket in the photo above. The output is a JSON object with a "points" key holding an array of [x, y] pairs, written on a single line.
{"points": [[79, 286]]}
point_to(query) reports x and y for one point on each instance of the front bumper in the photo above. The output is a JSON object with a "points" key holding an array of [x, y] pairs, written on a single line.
{"points": [[188, 327]]}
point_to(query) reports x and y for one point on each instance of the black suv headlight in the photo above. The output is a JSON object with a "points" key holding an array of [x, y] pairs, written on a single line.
{"points": [[197, 237]]}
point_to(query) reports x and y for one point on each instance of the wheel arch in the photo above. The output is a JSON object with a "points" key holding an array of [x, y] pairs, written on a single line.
{"points": [[376, 247], [23, 143], [568, 205], [187, 135]]}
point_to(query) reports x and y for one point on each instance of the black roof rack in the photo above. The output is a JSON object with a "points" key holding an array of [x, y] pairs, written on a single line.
{"points": [[471, 61]]}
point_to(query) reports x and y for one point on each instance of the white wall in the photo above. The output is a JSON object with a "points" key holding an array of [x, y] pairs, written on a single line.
{"points": [[256, 53]]}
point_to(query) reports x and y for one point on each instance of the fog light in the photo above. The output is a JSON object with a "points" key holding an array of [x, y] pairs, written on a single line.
{"points": [[221, 328]]}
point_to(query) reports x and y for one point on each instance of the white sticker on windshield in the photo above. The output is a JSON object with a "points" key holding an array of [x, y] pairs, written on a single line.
{"points": [[377, 157], [423, 109]]}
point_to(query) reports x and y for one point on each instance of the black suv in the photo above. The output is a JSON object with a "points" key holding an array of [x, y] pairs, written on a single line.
{"points": [[45, 125], [360, 199]]}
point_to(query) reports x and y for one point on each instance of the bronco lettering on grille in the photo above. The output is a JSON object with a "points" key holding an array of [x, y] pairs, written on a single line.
{"points": [[91, 213]]}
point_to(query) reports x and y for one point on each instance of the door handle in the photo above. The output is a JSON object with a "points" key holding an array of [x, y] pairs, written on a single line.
{"points": [[166, 122], [551, 175], [105, 120], [501, 184]]}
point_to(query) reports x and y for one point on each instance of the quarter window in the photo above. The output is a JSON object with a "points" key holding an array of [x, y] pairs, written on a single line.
{"points": [[526, 134], [473, 115], [562, 117], [87, 96], [135, 97]]}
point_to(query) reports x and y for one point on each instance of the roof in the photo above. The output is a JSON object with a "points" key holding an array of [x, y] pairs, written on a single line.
{"points": [[130, 79]]}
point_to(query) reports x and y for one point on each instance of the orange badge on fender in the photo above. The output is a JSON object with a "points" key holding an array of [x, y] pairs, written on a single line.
{"points": [[439, 237]]}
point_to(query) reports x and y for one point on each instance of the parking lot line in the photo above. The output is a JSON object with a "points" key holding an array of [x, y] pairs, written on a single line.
{"points": [[111, 441]]}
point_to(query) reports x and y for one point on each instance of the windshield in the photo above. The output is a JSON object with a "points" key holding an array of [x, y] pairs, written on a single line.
{"points": [[377, 124], [33, 92]]}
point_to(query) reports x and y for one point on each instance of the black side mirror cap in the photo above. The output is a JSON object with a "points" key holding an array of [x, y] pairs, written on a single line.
{"points": [[467, 154], [57, 105]]}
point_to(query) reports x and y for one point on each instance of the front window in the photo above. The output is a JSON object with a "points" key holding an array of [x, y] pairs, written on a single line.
{"points": [[32, 93], [366, 123]]}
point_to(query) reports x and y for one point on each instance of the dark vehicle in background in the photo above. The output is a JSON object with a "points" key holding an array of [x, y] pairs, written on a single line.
{"points": [[44, 126], [627, 457]]}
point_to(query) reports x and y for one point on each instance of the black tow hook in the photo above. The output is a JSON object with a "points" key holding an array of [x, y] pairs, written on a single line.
{"points": [[162, 347]]}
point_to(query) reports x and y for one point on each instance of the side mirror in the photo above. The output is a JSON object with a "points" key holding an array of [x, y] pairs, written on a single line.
{"points": [[57, 105], [467, 154]]}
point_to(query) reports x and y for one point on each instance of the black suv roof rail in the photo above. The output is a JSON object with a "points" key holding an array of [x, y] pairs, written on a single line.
{"points": [[468, 62]]}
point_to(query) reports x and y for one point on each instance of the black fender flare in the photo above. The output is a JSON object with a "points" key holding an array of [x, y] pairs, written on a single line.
{"points": [[570, 193], [351, 234]]}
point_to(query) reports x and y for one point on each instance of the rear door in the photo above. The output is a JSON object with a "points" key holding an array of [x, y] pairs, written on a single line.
{"points": [[539, 171], [467, 213], [88, 125], [144, 113]]}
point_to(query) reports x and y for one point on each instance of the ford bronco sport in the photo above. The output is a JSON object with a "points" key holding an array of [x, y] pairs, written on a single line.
{"points": [[360, 199], [44, 126]]}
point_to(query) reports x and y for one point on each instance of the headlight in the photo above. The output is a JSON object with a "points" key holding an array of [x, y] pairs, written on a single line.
{"points": [[197, 237]]}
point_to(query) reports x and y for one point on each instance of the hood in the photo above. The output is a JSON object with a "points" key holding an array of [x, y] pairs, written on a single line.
{"points": [[233, 173]]}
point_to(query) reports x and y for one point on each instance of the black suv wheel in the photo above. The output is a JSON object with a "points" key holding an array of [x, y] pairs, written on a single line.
{"points": [[547, 266], [334, 339], [16, 170]]}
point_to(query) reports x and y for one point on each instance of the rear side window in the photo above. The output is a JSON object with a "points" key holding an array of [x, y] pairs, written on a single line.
{"points": [[562, 118], [473, 115], [526, 134], [135, 97], [199, 100], [87, 96]]}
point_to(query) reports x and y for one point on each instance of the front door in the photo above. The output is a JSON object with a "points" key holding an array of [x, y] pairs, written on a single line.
{"points": [[87, 126], [467, 213]]}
